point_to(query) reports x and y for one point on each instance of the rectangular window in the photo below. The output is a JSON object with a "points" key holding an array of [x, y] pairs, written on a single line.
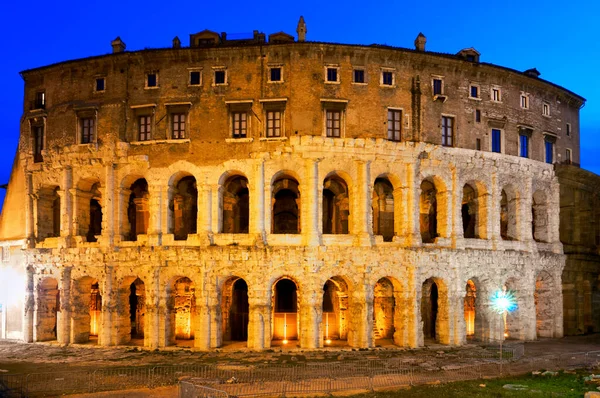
{"points": [[151, 80], [478, 144], [474, 92], [477, 116], [394, 125], [549, 146], [334, 123], [546, 109], [568, 156], [144, 128], [220, 77], [568, 129], [332, 74], [38, 143], [359, 76], [524, 101], [273, 123], [195, 78], [275, 75], [178, 125], [100, 84], [447, 131], [239, 124], [496, 141], [40, 100], [387, 78], [437, 87], [523, 146], [496, 95], [87, 130]]}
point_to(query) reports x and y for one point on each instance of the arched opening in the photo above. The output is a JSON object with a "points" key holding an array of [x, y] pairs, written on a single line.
{"points": [[138, 213], [48, 304], [335, 322], [286, 206], [182, 310], [434, 311], [336, 206], [48, 213], [504, 216], [235, 310], [469, 212], [137, 309], [95, 227], [184, 208], [236, 205], [285, 311], [545, 308], [539, 216], [387, 315], [428, 209], [470, 308], [383, 209], [88, 205], [86, 310], [508, 214]]}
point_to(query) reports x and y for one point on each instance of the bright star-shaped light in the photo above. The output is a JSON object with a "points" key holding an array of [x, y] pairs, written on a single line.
{"points": [[504, 301]]}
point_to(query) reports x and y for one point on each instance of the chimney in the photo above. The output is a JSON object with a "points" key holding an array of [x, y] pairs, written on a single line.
{"points": [[420, 42], [117, 45], [301, 29], [533, 72], [176, 42]]}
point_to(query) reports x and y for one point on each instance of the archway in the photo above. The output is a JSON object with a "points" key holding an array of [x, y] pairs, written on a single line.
{"points": [[184, 207], [88, 200], [434, 311], [470, 304], [336, 206], [383, 209], [137, 309], [235, 310], [48, 213], [545, 307], [138, 212], [285, 311], [182, 308], [539, 216], [47, 306], [335, 322], [387, 311], [508, 214], [469, 212], [428, 209], [286, 206], [236, 205], [86, 311]]}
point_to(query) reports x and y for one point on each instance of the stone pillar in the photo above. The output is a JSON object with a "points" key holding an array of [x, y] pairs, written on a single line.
{"points": [[312, 226], [217, 208], [362, 213], [361, 316], [311, 312], [258, 202], [28, 308], [121, 218], [411, 208], [259, 325], [457, 325], [153, 311], [207, 333], [67, 214], [554, 217], [493, 224], [157, 213], [453, 212], [204, 220], [109, 198], [106, 334], [407, 315], [63, 314], [524, 208], [30, 230]]}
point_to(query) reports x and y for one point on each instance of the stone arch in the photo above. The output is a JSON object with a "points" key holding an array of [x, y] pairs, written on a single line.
{"points": [[435, 311], [48, 212], [286, 205], [539, 216], [132, 310], [383, 208], [474, 210], [235, 309], [388, 312], [183, 205], [336, 205], [88, 208], [47, 305], [86, 312], [285, 304], [546, 313], [509, 220], [433, 209], [138, 213], [235, 204], [336, 296], [181, 311]]}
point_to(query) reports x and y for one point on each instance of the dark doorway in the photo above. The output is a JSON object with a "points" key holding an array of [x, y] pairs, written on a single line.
{"points": [[238, 314]]}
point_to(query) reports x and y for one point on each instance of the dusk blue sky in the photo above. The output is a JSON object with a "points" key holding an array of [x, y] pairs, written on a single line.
{"points": [[558, 38]]}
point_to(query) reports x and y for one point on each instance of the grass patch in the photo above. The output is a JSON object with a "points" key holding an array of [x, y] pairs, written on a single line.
{"points": [[563, 385]]}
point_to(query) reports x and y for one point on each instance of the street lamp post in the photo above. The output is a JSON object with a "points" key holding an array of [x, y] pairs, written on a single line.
{"points": [[503, 301]]}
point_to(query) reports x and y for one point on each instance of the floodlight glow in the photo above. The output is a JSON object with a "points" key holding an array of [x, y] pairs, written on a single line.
{"points": [[285, 341], [327, 341], [504, 301]]}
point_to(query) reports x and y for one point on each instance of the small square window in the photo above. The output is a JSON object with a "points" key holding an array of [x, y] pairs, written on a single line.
{"points": [[568, 129], [275, 75], [474, 91], [195, 78], [496, 95], [524, 101], [332, 75], [387, 78], [220, 77], [546, 109], [477, 116], [100, 84], [437, 87], [86, 125], [359, 76], [239, 124], [151, 80]]}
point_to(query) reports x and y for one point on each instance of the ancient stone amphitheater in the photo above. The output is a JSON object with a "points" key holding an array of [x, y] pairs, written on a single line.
{"points": [[277, 191]]}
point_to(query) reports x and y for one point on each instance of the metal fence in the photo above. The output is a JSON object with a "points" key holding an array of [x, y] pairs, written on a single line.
{"points": [[291, 379]]}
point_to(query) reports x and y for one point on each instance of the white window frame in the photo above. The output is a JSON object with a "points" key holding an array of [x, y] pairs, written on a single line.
{"points": [[493, 90], [189, 82], [364, 70], [216, 69], [524, 96], [146, 87], [388, 70], [337, 74], [545, 109], [478, 98], [273, 66]]}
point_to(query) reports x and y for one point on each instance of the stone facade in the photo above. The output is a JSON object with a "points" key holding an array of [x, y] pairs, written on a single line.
{"points": [[287, 192]]}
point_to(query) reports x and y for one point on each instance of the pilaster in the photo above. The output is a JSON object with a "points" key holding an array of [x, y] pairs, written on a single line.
{"points": [[361, 212], [311, 227]]}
